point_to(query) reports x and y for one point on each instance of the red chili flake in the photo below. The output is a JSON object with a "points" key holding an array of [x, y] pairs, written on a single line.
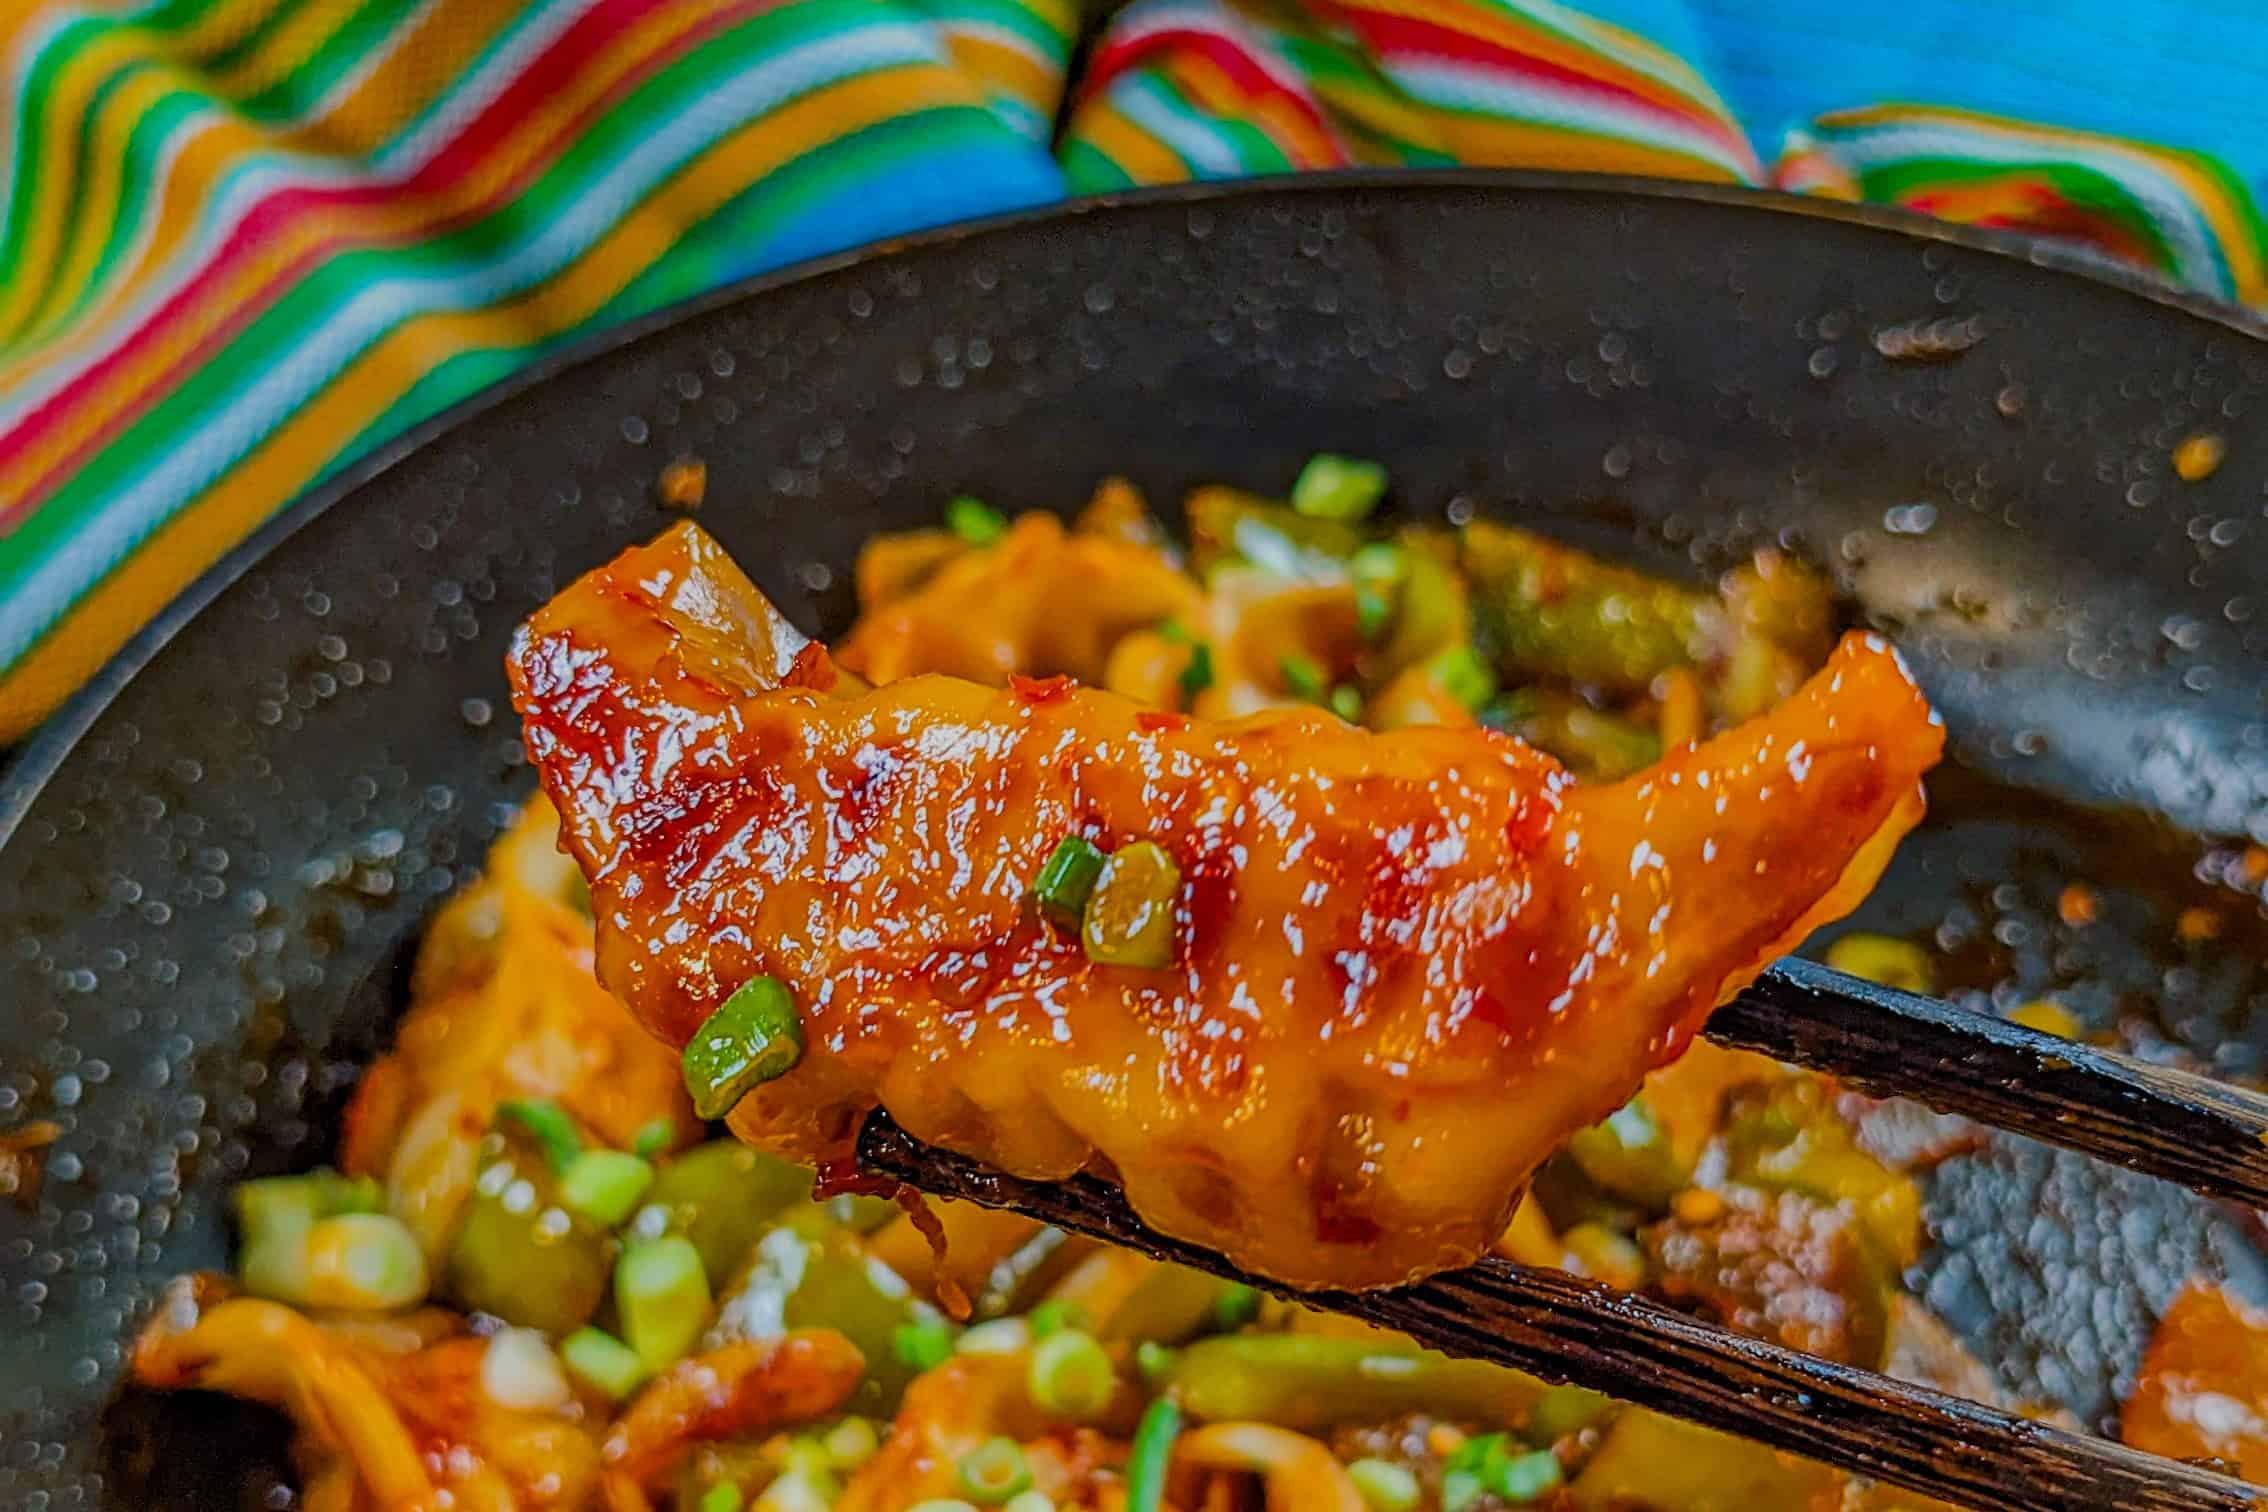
{"points": [[1039, 690], [1150, 721], [813, 668]]}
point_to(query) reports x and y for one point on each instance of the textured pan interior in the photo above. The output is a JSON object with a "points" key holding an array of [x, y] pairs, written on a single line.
{"points": [[205, 905]]}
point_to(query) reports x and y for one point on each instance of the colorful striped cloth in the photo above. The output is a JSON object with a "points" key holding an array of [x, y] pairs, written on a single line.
{"points": [[245, 241]]}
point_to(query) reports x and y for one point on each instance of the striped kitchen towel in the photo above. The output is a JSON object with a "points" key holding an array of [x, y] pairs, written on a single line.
{"points": [[246, 241]]}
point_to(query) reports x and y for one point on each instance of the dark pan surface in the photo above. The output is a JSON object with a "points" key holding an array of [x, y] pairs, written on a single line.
{"points": [[208, 883]]}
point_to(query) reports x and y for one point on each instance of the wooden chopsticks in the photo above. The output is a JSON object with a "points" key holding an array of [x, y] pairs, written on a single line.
{"points": [[1565, 1329], [2203, 1134]]}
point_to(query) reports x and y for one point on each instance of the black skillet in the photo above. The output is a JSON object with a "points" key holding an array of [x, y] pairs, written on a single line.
{"points": [[213, 864]]}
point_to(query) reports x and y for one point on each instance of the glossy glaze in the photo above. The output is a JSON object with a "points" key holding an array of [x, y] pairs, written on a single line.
{"points": [[1406, 965]]}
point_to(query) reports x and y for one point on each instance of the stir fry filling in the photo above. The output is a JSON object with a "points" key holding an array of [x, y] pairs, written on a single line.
{"points": [[543, 1277]]}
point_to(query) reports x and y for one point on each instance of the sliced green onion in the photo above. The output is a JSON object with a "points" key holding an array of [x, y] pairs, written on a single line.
{"points": [[722, 1497], [1303, 679], [1384, 1485], [798, 1491], [1525, 1477], [1001, 1336], [1459, 1490], [1066, 878], [1054, 1317], [364, 1261], [548, 1124], [1030, 1501], [653, 1138], [1377, 571], [1070, 1375], [1236, 1306], [1198, 675], [601, 1361], [1338, 488], [1153, 1359], [604, 1185], [274, 1200], [993, 1471], [922, 1346], [276, 1217], [942, 1504], [1129, 918], [1150, 1454], [1464, 676], [851, 1443], [755, 1036], [1346, 702], [975, 521], [661, 1292]]}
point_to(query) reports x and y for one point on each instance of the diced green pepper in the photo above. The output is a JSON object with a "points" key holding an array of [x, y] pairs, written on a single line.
{"points": [[1225, 523], [602, 1362], [1628, 1155], [1312, 1382], [662, 1296], [1556, 612], [518, 1253], [810, 1272], [723, 1196], [604, 1185]]}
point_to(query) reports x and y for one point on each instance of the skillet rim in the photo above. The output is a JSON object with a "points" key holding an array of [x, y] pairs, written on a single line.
{"points": [[41, 758]]}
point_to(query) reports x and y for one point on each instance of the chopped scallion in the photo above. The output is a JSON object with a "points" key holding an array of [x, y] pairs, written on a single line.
{"points": [[1346, 702], [1377, 571], [1053, 1317], [661, 1292], [601, 1361], [922, 1346], [1129, 917], [722, 1497], [993, 1471], [548, 1124], [604, 1185], [1302, 678], [1384, 1485], [851, 1443], [654, 1138], [1526, 1477], [1198, 675], [1338, 488], [1070, 1375], [1150, 1454], [1030, 1501], [1153, 1359], [1066, 878], [975, 521], [755, 1036], [1464, 676], [1236, 1306]]}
